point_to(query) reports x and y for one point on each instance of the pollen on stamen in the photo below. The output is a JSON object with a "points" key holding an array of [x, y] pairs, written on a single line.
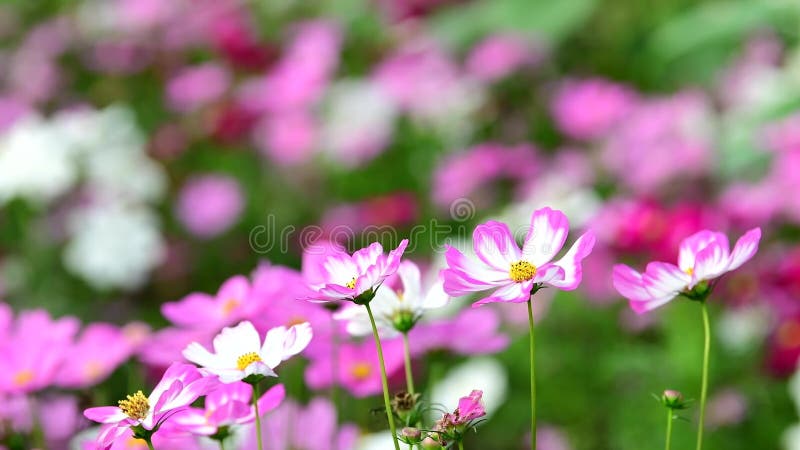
{"points": [[247, 359], [351, 284], [689, 271], [521, 271], [135, 406]]}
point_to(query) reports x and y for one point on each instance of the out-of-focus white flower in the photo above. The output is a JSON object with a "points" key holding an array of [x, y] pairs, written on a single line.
{"points": [[741, 329], [113, 246], [374, 441], [485, 374], [791, 438], [358, 121], [35, 162]]}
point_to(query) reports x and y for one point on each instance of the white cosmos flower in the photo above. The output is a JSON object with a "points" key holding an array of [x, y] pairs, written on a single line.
{"points": [[396, 310], [239, 353]]}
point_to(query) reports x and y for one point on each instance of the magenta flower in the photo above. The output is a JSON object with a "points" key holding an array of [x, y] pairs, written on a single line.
{"points": [[356, 278], [198, 310], [197, 86], [228, 405], [470, 407], [452, 426], [703, 257], [30, 359], [515, 273], [99, 350], [181, 385], [209, 205]]}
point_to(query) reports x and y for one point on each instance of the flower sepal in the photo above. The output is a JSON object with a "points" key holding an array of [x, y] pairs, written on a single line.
{"points": [[140, 432], [223, 432], [673, 400], [403, 321], [406, 407], [699, 293], [253, 379], [365, 297]]}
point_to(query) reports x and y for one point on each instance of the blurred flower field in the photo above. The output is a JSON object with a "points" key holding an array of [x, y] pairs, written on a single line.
{"points": [[221, 220]]}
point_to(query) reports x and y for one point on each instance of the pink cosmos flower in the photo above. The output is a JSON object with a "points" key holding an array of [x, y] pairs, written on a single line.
{"points": [[194, 87], [357, 277], [311, 427], [703, 257], [451, 426], [99, 350], [588, 109], [512, 272], [30, 359], [229, 404], [478, 332], [356, 367], [208, 205], [233, 302], [239, 353], [499, 55], [181, 385]]}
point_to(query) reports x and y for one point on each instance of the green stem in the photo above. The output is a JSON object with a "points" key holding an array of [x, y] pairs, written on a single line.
{"points": [[704, 387], [407, 358], [533, 375], [256, 395], [149, 444], [222, 444], [460, 445], [384, 380], [669, 428]]}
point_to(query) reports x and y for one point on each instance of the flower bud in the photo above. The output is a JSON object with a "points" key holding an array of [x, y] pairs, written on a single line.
{"points": [[403, 321], [411, 435], [673, 399], [430, 443], [404, 403]]}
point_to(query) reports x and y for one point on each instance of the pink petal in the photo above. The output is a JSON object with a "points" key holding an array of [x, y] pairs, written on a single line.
{"points": [[465, 276], [693, 244], [546, 236], [549, 274], [745, 248], [271, 399], [367, 256], [510, 293], [571, 262], [495, 246], [105, 414], [711, 262], [665, 280]]}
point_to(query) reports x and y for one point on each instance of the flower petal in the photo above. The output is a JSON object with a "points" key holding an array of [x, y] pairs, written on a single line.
{"points": [[464, 275], [665, 280], [571, 262], [105, 414], [693, 244], [546, 236], [510, 293], [745, 248], [495, 246]]}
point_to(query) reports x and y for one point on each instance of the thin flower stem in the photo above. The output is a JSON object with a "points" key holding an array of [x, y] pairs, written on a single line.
{"points": [[407, 358], [669, 428], [222, 444], [149, 444], [384, 380], [256, 395], [704, 387], [533, 374], [460, 445]]}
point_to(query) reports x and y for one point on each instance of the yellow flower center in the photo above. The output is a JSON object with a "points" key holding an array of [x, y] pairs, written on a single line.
{"points": [[93, 369], [689, 271], [351, 284], [229, 305], [296, 320], [135, 406], [522, 271], [361, 370], [247, 359], [23, 377]]}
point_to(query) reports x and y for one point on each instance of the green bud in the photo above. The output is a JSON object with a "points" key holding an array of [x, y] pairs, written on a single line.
{"points": [[403, 321]]}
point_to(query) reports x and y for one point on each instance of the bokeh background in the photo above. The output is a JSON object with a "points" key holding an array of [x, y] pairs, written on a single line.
{"points": [[150, 149]]}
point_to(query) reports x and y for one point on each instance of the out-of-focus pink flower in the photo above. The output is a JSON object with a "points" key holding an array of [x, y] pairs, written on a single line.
{"points": [[180, 386], [169, 437], [512, 272], [287, 139], [726, 408], [398, 209], [477, 330], [548, 437], [355, 367], [11, 109], [750, 82], [210, 204], [351, 277], [60, 419], [118, 56], [462, 174], [703, 257], [31, 359], [196, 86], [498, 55], [313, 427], [237, 39], [784, 347], [239, 352], [232, 302], [784, 135], [99, 350], [227, 405], [660, 141], [166, 346], [590, 109]]}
